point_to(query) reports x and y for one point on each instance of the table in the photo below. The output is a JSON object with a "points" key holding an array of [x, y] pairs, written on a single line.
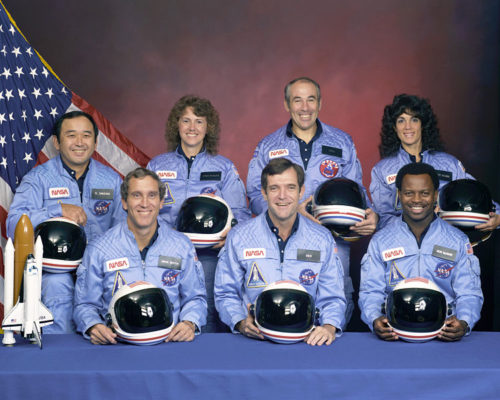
{"points": [[227, 366]]}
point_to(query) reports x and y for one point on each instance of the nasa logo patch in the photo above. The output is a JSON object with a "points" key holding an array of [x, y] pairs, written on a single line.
{"points": [[208, 190], [169, 278], [443, 270], [307, 277], [101, 207], [329, 168]]}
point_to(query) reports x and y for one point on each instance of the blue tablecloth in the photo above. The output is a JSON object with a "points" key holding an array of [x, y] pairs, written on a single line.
{"points": [[227, 366]]}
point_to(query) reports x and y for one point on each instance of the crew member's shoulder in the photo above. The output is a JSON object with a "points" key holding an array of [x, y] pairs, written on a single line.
{"points": [[339, 134], [250, 225], [450, 232], [107, 240], [385, 163], [161, 160], [391, 230], [276, 137], [173, 235], [218, 160], [47, 168], [313, 229], [103, 171], [440, 159]]}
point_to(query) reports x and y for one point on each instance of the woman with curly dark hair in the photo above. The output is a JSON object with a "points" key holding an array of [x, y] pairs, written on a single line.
{"points": [[410, 134], [192, 167]]}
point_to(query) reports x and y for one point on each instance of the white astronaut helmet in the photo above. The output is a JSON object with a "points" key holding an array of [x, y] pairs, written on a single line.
{"points": [[140, 313], [204, 218], [284, 312], [416, 309], [338, 204], [64, 243]]}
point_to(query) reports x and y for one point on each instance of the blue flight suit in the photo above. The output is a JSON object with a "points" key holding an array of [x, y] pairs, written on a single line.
{"points": [[101, 202], [114, 259], [444, 256], [251, 260], [383, 184], [207, 174], [333, 156]]}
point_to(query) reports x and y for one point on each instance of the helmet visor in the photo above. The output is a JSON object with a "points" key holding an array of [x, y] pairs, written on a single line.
{"points": [[288, 311], [144, 311], [416, 310], [202, 215], [61, 240]]}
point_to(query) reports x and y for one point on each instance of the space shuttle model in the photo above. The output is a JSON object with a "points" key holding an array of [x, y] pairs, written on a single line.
{"points": [[23, 274]]}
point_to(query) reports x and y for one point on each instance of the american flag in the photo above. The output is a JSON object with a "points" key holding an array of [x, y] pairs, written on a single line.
{"points": [[32, 98]]}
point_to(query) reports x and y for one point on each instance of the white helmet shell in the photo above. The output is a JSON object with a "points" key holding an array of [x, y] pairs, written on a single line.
{"points": [[290, 306], [64, 243], [207, 240], [420, 312], [157, 332]]}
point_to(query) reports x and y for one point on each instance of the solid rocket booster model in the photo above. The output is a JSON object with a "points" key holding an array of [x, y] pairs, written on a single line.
{"points": [[23, 245], [29, 315]]}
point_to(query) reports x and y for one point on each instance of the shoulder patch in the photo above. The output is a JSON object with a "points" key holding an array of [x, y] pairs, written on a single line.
{"points": [[329, 168], [468, 248], [168, 199], [395, 275], [119, 282], [255, 278]]}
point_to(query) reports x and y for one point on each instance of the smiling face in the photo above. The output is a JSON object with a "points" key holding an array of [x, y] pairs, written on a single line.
{"points": [[304, 105], [409, 131], [143, 204], [76, 143], [418, 198], [192, 131], [282, 195]]}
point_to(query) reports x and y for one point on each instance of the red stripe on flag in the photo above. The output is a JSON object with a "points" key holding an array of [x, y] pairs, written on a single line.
{"points": [[105, 126], [41, 158], [101, 159], [3, 219]]}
